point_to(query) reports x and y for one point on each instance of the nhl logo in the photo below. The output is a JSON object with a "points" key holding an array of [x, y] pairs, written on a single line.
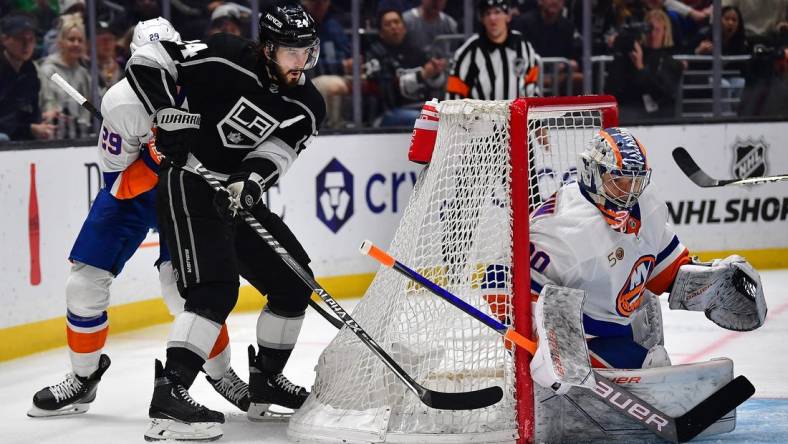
{"points": [[749, 158]]}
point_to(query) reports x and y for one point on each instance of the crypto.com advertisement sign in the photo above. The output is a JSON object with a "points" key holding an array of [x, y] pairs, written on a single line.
{"points": [[345, 189]]}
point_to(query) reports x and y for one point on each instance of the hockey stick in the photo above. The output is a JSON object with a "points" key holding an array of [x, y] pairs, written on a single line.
{"points": [[85, 103], [679, 429], [701, 179], [437, 400]]}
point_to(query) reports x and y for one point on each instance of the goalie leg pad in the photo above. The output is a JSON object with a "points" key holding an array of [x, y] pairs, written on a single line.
{"points": [[728, 291], [561, 359]]}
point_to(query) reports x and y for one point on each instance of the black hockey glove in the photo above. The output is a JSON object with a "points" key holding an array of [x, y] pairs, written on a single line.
{"points": [[244, 192], [176, 131]]}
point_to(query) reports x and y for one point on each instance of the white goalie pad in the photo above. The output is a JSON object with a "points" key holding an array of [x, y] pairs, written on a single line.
{"points": [[562, 354], [581, 415]]}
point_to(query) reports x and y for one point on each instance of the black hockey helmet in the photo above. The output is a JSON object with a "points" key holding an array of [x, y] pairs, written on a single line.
{"points": [[285, 23], [483, 5]]}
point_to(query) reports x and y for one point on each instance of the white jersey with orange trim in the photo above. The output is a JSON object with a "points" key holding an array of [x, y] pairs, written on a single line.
{"points": [[574, 245], [129, 167]]}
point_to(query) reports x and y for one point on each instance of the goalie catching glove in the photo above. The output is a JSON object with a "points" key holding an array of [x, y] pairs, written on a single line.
{"points": [[728, 291], [176, 131]]}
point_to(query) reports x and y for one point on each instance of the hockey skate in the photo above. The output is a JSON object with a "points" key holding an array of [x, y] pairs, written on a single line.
{"points": [[266, 389], [70, 397], [176, 416], [232, 388]]}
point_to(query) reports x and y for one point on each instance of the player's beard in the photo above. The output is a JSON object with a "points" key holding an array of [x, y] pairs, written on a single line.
{"points": [[290, 78]]}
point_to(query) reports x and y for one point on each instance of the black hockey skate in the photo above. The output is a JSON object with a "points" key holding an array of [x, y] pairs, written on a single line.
{"points": [[232, 388], [175, 415], [70, 397], [271, 388]]}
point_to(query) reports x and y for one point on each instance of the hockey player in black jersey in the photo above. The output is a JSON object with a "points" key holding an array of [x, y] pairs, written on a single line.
{"points": [[251, 111]]}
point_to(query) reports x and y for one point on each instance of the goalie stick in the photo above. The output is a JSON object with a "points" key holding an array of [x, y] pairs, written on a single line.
{"points": [[675, 429], [701, 179], [438, 400]]}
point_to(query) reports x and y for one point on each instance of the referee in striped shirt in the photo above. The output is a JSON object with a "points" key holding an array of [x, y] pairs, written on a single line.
{"points": [[496, 64]]}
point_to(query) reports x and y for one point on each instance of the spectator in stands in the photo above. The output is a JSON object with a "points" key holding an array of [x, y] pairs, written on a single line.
{"points": [[226, 18], [44, 11], [73, 121], [765, 21], [603, 22], [335, 61], [110, 69], [66, 7], [734, 40], [401, 72], [425, 23], [643, 76], [550, 33], [20, 113], [497, 63]]}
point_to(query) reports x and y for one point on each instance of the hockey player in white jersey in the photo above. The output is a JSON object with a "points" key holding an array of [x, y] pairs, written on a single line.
{"points": [[607, 234], [119, 219]]}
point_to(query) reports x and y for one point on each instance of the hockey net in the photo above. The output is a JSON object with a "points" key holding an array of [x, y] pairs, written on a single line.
{"points": [[465, 228]]}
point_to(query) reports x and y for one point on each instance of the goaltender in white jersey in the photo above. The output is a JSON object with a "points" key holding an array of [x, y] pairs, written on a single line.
{"points": [[609, 237]]}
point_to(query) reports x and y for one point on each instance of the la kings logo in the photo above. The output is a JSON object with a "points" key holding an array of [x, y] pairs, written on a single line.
{"points": [[246, 125], [749, 158]]}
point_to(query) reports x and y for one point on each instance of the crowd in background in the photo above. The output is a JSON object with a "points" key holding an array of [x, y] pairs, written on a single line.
{"points": [[410, 53]]}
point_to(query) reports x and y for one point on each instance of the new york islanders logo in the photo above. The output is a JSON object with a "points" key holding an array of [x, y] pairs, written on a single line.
{"points": [[629, 298]]}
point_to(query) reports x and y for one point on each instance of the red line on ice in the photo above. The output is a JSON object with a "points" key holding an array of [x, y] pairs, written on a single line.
{"points": [[728, 337]]}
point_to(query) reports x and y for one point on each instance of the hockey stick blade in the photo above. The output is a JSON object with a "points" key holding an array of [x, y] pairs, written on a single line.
{"points": [[711, 409], [438, 400], [691, 169], [680, 429]]}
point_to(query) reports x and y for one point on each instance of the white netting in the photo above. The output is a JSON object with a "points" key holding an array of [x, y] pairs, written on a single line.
{"points": [[457, 231], [555, 138]]}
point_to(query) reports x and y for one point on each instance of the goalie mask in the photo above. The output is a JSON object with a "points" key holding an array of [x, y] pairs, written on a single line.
{"points": [[153, 30], [288, 35], [613, 169]]}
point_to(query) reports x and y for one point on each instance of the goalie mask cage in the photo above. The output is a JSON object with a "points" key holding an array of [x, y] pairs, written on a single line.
{"points": [[466, 228]]}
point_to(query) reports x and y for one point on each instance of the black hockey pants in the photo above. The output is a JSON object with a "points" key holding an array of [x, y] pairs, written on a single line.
{"points": [[209, 252]]}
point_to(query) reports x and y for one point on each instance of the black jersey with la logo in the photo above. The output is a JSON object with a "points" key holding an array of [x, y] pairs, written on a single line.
{"points": [[244, 114]]}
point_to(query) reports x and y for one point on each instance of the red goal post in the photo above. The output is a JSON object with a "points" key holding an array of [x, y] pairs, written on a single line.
{"points": [[521, 133], [466, 228]]}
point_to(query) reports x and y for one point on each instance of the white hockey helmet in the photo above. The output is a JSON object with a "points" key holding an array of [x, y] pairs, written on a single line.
{"points": [[152, 30], [613, 169]]}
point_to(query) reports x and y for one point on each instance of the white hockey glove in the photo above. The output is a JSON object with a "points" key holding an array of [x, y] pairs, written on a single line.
{"points": [[729, 291]]}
